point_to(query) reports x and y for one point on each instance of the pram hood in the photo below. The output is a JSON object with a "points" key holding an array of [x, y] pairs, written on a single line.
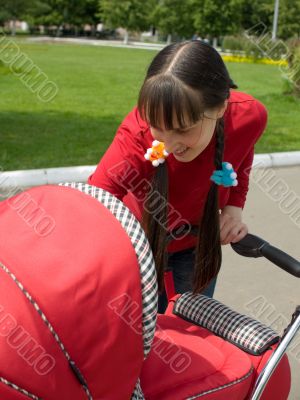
{"points": [[77, 285]]}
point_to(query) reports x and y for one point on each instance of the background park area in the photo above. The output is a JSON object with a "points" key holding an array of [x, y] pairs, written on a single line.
{"points": [[97, 87]]}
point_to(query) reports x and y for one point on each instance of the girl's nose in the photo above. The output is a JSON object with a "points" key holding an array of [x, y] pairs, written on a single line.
{"points": [[170, 142]]}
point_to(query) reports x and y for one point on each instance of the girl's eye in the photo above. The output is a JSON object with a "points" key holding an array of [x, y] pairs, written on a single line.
{"points": [[156, 130], [181, 131], [156, 134]]}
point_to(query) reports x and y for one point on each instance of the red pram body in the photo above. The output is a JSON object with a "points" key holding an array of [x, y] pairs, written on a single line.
{"points": [[78, 300]]}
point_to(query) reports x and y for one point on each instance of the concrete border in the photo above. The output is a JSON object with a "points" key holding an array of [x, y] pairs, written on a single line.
{"points": [[98, 42], [36, 177]]}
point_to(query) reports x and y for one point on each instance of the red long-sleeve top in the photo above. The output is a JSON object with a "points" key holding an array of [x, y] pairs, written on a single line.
{"points": [[124, 172]]}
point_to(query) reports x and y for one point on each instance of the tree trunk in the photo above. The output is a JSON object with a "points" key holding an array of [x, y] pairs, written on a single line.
{"points": [[215, 42], [58, 31], [126, 37], [13, 30], [169, 39]]}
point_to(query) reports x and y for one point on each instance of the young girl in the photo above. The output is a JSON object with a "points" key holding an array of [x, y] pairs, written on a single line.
{"points": [[189, 202]]}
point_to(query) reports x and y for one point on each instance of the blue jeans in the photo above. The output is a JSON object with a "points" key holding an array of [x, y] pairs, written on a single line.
{"points": [[182, 265]]}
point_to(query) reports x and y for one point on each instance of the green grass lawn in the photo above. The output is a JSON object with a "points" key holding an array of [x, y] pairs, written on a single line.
{"points": [[98, 86]]}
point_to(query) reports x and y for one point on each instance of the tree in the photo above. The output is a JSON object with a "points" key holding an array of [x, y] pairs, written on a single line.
{"points": [[174, 17], [62, 12], [261, 13], [132, 15], [289, 19], [216, 18], [4, 16], [256, 13], [14, 10], [79, 12]]}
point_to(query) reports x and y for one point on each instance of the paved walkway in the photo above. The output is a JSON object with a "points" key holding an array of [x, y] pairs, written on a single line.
{"points": [[98, 42], [244, 281]]}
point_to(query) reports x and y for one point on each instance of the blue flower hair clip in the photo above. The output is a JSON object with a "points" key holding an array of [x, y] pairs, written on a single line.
{"points": [[226, 176]]}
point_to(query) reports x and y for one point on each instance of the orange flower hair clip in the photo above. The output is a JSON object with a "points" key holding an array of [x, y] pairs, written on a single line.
{"points": [[157, 153]]}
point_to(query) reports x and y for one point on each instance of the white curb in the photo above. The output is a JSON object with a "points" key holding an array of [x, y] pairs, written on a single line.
{"points": [[36, 177], [284, 159]]}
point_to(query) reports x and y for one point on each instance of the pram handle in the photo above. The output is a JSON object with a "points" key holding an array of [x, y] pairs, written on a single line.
{"points": [[254, 246]]}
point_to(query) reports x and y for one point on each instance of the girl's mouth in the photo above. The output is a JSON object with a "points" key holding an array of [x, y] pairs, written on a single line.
{"points": [[181, 153]]}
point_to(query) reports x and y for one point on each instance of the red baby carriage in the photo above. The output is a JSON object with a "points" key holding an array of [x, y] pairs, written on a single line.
{"points": [[78, 300]]}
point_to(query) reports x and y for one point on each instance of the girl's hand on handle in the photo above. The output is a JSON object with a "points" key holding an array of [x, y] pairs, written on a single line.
{"points": [[232, 229]]}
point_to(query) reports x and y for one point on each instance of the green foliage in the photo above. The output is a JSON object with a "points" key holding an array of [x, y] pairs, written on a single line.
{"points": [[256, 47], [256, 12], [216, 17], [14, 9], [174, 17], [133, 15], [59, 12], [4, 16], [264, 47], [182, 18], [289, 19], [292, 73], [234, 43]]}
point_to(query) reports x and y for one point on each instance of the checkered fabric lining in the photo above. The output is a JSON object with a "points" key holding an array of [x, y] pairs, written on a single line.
{"points": [[246, 333], [143, 252], [138, 393]]}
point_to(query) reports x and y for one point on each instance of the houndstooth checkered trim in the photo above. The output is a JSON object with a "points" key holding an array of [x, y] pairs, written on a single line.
{"points": [[246, 333], [51, 329], [18, 389], [143, 252], [138, 393]]}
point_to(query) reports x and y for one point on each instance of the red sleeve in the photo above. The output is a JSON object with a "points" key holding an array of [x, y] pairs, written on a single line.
{"points": [[238, 194], [122, 165]]}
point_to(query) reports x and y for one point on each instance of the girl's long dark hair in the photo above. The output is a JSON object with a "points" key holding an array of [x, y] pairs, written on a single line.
{"points": [[184, 80]]}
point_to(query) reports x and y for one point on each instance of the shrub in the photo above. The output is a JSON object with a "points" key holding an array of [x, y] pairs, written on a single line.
{"points": [[233, 44], [292, 74], [255, 47]]}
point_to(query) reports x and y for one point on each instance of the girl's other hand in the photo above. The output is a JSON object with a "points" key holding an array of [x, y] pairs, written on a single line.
{"points": [[232, 229]]}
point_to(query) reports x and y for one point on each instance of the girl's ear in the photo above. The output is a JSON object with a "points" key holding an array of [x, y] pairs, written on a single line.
{"points": [[222, 109]]}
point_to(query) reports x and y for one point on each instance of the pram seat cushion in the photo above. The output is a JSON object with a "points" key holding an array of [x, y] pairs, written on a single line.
{"points": [[247, 333], [188, 362]]}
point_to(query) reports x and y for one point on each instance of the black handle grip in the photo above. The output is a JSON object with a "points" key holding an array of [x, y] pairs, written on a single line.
{"points": [[282, 260], [249, 246], [254, 246]]}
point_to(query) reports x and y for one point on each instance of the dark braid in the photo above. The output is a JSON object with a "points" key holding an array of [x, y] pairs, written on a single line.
{"points": [[153, 227], [208, 249]]}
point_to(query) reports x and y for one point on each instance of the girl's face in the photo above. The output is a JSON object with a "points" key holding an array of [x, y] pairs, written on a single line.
{"points": [[187, 144]]}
